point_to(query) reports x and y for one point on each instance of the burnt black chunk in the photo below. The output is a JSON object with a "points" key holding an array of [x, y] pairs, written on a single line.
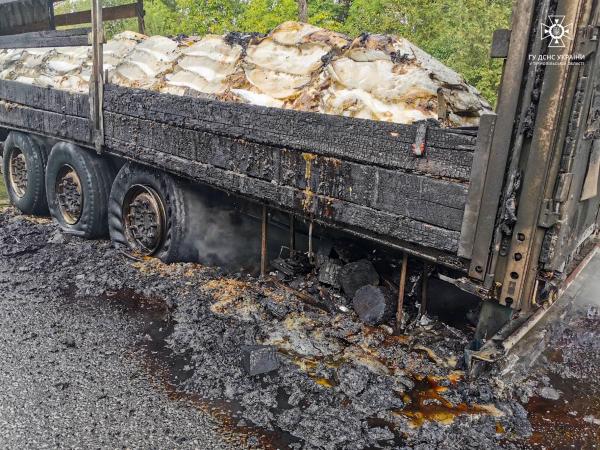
{"points": [[374, 304], [356, 275], [259, 359]]}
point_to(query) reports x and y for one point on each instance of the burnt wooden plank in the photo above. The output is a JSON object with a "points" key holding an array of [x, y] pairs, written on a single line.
{"points": [[478, 176], [45, 122], [108, 13], [287, 166], [433, 201], [54, 33], [372, 186], [449, 154], [21, 13], [52, 38], [326, 209], [393, 132], [45, 98]]}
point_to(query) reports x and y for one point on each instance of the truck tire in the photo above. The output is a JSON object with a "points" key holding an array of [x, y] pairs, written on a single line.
{"points": [[78, 186], [23, 166], [148, 215]]}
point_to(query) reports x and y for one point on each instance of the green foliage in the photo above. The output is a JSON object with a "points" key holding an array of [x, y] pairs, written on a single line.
{"points": [[458, 32], [205, 16], [160, 19], [367, 16], [262, 15]]}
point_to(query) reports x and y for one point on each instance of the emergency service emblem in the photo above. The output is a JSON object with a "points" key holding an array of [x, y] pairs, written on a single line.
{"points": [[556, 31]]}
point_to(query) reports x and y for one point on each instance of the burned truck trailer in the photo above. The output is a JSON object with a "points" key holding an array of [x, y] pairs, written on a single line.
{"points": [[508, 208]]}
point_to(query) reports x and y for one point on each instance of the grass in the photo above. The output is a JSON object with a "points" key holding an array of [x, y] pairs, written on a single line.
{"points": [[3, 194]]}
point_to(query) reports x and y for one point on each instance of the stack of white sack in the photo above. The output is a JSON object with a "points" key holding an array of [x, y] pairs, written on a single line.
{"points": [[296, 66]]}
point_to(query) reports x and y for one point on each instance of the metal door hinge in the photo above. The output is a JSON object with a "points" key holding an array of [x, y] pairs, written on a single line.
{"points": [[548, 215]]}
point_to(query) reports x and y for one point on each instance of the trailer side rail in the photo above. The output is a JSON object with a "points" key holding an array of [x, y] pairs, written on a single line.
{"points": [[45, 111], [354, 173]]}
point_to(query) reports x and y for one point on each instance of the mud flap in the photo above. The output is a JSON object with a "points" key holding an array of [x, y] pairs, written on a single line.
{"points": [[492, 318]]}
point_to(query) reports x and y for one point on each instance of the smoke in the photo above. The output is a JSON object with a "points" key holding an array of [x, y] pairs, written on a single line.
{"points": [[225, 232]]}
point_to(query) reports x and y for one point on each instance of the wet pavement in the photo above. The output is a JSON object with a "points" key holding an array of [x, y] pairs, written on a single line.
{"points": [[72, 377], [563, 388], [101, 351]]}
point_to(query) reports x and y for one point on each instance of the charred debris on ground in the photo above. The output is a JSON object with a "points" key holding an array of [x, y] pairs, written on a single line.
{"points": [[331, 381]]}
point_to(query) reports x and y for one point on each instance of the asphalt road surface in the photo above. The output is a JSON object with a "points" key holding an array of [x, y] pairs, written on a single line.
{"points": [[72, 376]]}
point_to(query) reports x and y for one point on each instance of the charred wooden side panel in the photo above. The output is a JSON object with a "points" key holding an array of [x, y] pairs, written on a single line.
{"points": [[325, 209], [433, 201], [52, 38], [350, 173], [60, 126], [47, 111], [47, 99], [389, 145]]}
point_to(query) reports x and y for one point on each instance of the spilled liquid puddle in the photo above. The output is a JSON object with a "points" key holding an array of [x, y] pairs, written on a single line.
{"points": [[167, 369], [570, 421], [561, 423], [310, 366], [425, 403], [133, 303], [571, 363]]}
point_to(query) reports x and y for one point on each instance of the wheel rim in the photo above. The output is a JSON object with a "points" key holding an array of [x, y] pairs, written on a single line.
{"points": [[17, 173], [69, 194], [144, 219]]}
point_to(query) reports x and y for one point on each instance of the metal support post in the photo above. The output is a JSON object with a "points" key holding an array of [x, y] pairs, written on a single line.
{"points": [[292, 234], [310, 241], [139, 8], [423, 307], [263, 245], [97, 78], [401, 291], [51, 22]]}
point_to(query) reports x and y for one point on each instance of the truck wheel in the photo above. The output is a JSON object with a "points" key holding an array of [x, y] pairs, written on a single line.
{"points": [[78, 185], [24, 163], [147, 215]]}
